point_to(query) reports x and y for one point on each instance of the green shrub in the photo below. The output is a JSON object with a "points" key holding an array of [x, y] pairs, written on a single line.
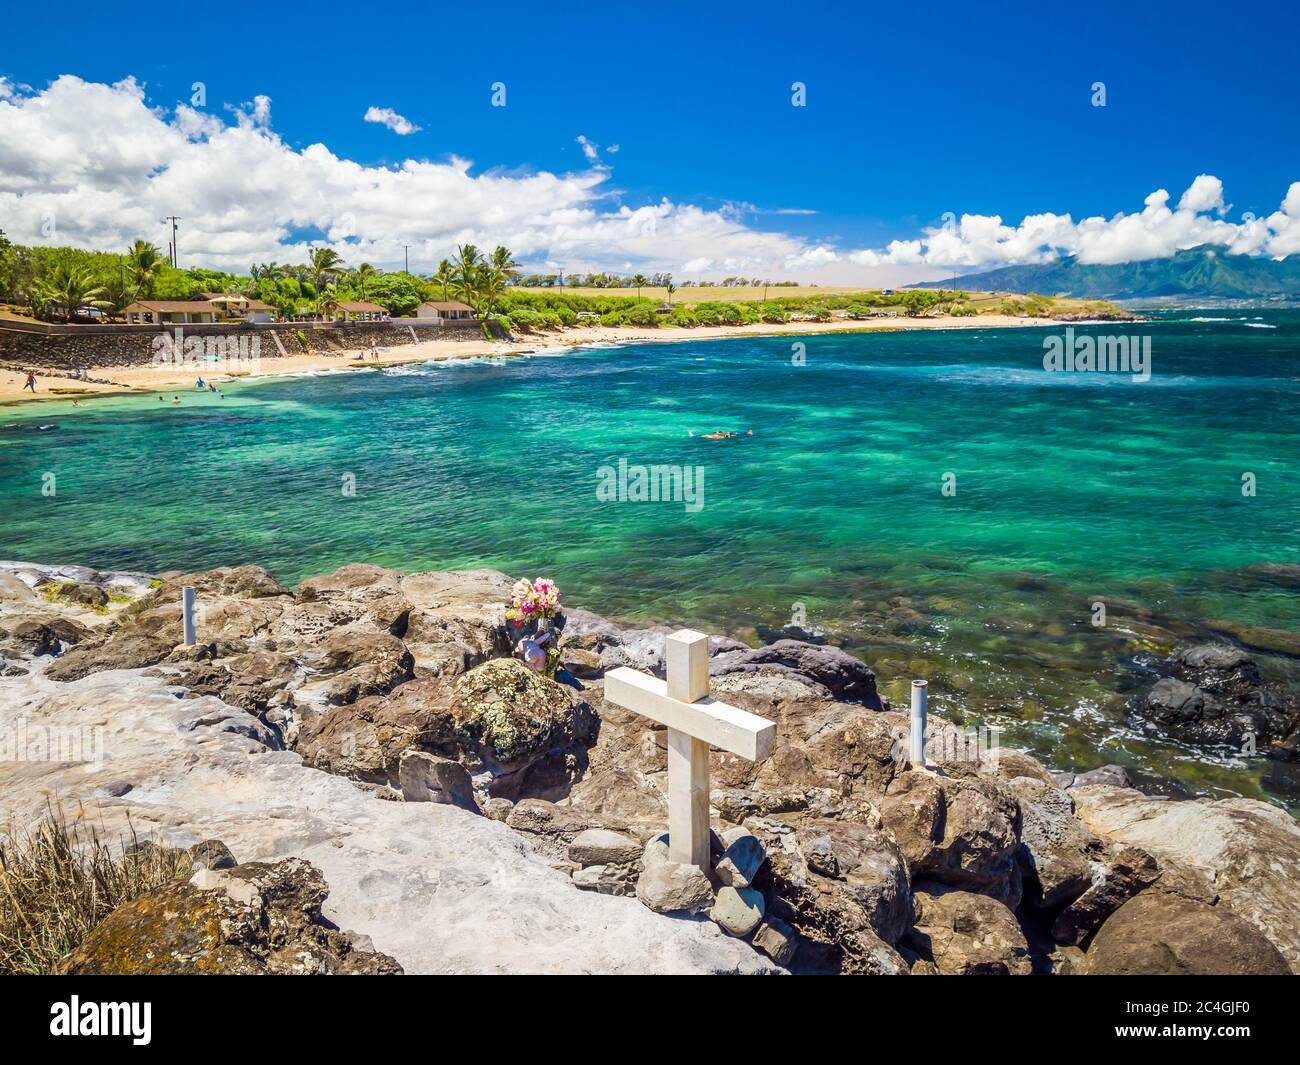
{"points": [[640, 314]]}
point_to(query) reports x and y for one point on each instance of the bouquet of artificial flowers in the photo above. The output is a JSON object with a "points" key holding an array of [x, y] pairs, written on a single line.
{"points": [[533, 601], [535, 608]]}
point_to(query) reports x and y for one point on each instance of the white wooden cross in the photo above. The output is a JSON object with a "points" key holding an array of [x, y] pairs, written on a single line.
{"points": [[695, 722]]}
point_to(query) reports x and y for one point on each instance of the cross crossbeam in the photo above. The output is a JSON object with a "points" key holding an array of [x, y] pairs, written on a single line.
{"points": [[695, 722]]}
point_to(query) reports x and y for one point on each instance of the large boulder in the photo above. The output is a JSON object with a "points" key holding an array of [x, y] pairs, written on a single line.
{"points": [[1058, 856], [961, 829], [520, 728], [460, 610], [426, 777], [1128, 872], [31, 636], [112, 651], [964, 934], [842, 886], [822, 667], [358, 664], [359, 581], [1248, 851], [1162, 934], [255, 918], [365, 740]]}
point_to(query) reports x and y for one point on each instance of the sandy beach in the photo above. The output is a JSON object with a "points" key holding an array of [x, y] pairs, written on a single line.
{"points": [[148, 379]]}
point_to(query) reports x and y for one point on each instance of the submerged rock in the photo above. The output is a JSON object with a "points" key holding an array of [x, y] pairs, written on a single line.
{"points": [[1214, 696]]}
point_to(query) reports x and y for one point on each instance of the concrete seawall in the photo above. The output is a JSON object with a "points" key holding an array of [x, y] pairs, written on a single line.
{"points": [[69, 348]]}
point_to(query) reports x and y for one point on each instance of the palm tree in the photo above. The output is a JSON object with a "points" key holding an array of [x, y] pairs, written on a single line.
{"points": [[267, 271], [639, 280], [444, 277], [469, 265], [504, 264], [144, 262], [322, 264], [362, 276], [327, 303], [490, 283], [669, 287], [69, 288]]}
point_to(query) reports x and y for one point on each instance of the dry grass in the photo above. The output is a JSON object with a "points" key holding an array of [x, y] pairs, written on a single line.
{"points": [[60, 880]]}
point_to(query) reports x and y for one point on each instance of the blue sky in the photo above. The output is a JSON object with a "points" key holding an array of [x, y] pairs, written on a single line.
{"points": [[911, 111]]}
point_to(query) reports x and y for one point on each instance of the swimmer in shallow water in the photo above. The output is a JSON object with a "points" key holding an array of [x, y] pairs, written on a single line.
{"points": [[724, 434]]}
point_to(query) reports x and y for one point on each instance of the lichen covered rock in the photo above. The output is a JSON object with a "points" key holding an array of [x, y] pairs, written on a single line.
{"points": [[253, 919]]}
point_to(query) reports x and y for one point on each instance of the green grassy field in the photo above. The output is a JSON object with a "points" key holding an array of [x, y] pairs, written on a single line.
{"points": [[712, 293]]}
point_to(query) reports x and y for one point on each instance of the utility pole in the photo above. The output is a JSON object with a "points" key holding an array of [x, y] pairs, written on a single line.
{"points": [[176, 260], [406, 250]]}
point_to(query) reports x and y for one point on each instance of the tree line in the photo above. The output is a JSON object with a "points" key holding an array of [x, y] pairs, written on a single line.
{"points": [[60, 284]]}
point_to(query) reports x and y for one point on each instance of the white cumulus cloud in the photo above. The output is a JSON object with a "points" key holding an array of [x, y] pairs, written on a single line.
{"points": [[386, 116], [1155, 232], [105, 164]]}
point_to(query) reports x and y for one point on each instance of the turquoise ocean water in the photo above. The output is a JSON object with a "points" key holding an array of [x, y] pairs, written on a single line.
{"points": [[1070, 489]]}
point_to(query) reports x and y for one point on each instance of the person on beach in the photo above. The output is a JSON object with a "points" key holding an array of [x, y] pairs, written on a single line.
{"points": [[199, 385], [374, 349], [31, 381]]}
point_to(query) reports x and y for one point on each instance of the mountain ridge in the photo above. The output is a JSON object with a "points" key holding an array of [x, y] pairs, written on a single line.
{"points": [[1203, 271]]}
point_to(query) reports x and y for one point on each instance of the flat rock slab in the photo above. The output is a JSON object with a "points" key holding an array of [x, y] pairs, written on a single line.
{"points": [[438, 888], [600, 846], [1248, 850]]}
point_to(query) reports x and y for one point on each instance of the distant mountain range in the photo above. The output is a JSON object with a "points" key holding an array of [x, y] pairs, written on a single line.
{"points": [[1203, 272]]}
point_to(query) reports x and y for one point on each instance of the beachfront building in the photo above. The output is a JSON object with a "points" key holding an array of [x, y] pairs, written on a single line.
{"points": [[170, 312], [449, 311], [360, 312], [235, 305]]}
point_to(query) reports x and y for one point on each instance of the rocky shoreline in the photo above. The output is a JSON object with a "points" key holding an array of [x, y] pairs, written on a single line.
{"points": [[366, 747]]}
